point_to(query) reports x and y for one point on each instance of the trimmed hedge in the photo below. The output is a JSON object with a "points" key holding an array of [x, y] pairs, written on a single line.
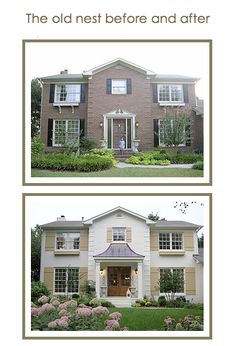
{"points": [[83, 163], [198, 165]]}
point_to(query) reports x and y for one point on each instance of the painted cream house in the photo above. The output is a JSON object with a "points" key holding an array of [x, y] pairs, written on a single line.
{"points": [[123, 253]]}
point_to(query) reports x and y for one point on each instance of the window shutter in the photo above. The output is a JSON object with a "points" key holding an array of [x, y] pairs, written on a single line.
{"points": [[109, 86], [155, 276], [188, 135], [48, 277], [83, 240], [154, 241], [128, 234], [190, 281], [156, 132], [185, 91], [82, 128], [188, 241], [109, 235], [50, 132], [83, 90], [83, 275], [129, 86], [154, 92], [50, 241], [51, 93]]}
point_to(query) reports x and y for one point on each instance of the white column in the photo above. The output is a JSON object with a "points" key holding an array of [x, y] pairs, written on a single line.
{"points": [[98, 279], [140, 280]]}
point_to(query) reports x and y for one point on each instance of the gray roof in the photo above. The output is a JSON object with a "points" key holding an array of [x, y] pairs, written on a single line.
{"points": [[174, 77], [175, 224], [63, 76], [200, 256], [63, 224], [119, 250]]}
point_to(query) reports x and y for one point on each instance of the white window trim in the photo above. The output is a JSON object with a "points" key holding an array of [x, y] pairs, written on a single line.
{"points": [[65, 103], [170, 102], [53, 131], [118, 241], [66, 291], [171, 249], [119, 93], [59, 250]]}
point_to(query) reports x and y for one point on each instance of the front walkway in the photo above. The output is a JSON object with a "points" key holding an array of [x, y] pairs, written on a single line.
{"points": [[129, 165]]}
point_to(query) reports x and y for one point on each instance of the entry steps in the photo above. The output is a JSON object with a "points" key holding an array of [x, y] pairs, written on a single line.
{"points": [[121, 302]]}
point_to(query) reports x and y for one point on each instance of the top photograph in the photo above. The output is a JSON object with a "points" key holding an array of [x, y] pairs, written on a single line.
{"points": [[117, 112]]}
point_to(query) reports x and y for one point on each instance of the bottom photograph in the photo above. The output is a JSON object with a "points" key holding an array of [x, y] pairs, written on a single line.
{"points": [[117, 266]]}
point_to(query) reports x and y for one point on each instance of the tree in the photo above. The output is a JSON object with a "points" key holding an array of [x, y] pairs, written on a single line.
{"points": [[201, 241], [36, 234], [154, 217], [35, 107], [171, 282]]}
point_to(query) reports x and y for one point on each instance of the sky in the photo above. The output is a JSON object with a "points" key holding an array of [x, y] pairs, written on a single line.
{"points": [[44, 209], [190, 59]]}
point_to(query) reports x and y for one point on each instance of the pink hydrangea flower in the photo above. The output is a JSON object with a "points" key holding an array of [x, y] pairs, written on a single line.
{"points": [[113, 324], [72, 303], [100, 310], [62, 306], [125, 328], [47, 307], [55, 302], [84, 312], [35, 312], [63, 323], [63, 312], [168, 320], [115, 315], [52, 324]]}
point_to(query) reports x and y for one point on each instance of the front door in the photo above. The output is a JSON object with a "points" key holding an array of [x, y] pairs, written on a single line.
{"points": [[117, 129], [119, 280]]}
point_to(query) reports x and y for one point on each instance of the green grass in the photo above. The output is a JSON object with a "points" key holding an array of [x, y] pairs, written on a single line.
{"points": [[123, 172], [151, 318]]}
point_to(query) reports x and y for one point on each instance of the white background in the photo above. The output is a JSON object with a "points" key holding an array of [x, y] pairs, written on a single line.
{"points": [[220, 29]]}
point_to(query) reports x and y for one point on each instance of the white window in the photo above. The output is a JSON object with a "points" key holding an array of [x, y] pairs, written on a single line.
{"points": [[66, 280], [118, 233], [67, 93], [67, 241], [172, 132], [65, 131], [170, 241], [171, 272], [119, 86], [170, 94]]}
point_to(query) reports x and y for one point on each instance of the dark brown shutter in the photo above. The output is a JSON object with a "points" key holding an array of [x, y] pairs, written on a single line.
{"points": [[108, 86], [156, 132], [129, 86], [51, 93], [83, 93], [154, 92], [188, 134], [50, 130], [82, 128], [185, 91]]}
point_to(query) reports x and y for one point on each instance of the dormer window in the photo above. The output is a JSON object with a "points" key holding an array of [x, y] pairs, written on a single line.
{"points": [[67, 93], [118, 234]]}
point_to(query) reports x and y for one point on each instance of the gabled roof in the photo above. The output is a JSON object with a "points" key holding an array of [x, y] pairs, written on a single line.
{"points": [[119, 250], [118, 209], [122, 62], [164, 224]]}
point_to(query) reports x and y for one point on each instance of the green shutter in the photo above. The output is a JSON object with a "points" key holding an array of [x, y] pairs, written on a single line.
{"points": [[156, 132], [51, 93], [50, 132], [83, 93]]}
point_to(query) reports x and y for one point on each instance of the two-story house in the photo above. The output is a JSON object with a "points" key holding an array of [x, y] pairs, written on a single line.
{"points": [[115, 100], [124, 253]]}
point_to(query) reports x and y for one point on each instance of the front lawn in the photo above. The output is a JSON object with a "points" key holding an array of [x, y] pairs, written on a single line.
{"points": [[122, 172], [137, 319]]}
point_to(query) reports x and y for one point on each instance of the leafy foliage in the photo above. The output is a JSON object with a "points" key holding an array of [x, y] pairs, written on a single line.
{"points": [[35, 107], [35, 252], [38, 289], [174, 129], [199, 165], [187, 323], [170, 283], [37, 146]]}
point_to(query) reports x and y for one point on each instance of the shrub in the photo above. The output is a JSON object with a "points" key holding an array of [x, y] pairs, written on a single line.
{"points": [[59, 161], [87, 144], [102, 152], [198, 165], [38, 289], [187, 323], [162, 301], [37, 146]]}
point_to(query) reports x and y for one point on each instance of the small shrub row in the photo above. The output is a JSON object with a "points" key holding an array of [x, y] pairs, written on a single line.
{"points": [[83, 163], [179, 302], [198, 165], [187, 323], [156, 157]]}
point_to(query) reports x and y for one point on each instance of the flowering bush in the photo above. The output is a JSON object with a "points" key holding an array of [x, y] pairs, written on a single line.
{"points": [[68, 316], [187, 323], [43, 299]]}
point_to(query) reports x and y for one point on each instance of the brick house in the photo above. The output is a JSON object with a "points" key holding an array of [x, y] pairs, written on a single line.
{"points": [[114, 100], [121, 252]]}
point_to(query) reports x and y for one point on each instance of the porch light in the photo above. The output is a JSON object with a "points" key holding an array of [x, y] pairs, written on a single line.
{"points": [[101, 271], [101, 124], [137, 124], [136, 271]]}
